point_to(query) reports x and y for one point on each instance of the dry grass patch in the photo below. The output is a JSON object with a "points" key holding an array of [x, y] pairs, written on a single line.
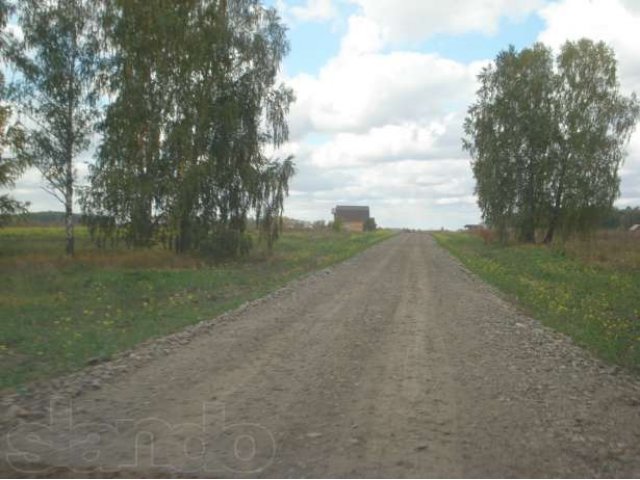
{"points": [[608, 248]]}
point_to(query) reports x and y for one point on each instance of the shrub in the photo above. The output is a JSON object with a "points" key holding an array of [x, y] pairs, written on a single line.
{"points": [[226, 243], [486, 234], [370, 225]]}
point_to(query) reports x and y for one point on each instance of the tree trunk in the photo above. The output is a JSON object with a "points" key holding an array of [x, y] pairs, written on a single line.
{"points": [[68, 174], [183, 241], [68, 187], [548, 238], [68, 206], [553, 223], [529, 232]]}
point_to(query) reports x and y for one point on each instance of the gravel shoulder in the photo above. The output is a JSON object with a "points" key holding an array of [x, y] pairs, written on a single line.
{"points": [[396, 363]]}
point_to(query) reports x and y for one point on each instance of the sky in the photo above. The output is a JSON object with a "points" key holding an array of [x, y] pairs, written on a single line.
{"points": [[382, 89]]}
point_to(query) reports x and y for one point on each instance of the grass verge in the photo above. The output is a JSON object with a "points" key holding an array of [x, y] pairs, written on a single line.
{"points": [[57, 314], [599, 307]]}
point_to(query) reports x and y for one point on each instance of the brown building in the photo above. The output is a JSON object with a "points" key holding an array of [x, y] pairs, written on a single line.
{"points": [[353, 218]]}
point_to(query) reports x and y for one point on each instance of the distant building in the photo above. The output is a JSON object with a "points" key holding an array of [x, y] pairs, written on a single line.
{"points": [[353, 218], [635, 228]]}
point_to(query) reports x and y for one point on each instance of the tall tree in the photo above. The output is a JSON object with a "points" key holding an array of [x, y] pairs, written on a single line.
{"points": [[129, 179], [57, 90], [547, 142], [11, 166], [196, 102], [509, 131], [594, 121]]}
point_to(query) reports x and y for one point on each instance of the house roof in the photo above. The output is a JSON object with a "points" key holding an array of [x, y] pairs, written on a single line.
{"points": [[635, 228], [352, 213]]}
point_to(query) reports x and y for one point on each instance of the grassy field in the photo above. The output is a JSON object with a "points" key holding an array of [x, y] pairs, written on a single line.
{"points": [[609, 249], [58, 313], [597, 303]]}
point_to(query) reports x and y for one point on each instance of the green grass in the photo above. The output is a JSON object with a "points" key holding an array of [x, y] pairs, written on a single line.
{"points": [[598, 306], [59, 313]]}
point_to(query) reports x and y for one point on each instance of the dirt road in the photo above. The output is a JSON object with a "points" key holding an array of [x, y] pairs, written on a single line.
{"points": [[396, 363]]}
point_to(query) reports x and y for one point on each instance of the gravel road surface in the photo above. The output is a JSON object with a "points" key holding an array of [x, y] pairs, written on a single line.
{"points": [[396, 363]]}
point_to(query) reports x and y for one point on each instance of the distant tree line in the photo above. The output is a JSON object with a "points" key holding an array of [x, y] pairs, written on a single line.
{"points": [[547, 137], [621, 218], [182, 98], [48, 219]]}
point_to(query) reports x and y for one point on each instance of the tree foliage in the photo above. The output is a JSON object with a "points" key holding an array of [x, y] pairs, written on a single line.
{"points": [[57, 62], [547, 138], [195, 102], [370, 225], [11, 137], [11, 167]]}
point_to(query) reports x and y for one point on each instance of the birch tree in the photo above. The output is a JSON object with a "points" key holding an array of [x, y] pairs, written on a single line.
{"points": [[196, 103], [594, 123], [547, 139], [57, 64]]}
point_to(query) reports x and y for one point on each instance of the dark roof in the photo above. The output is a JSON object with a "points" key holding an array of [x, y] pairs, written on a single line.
{"points": [[352, 213]]}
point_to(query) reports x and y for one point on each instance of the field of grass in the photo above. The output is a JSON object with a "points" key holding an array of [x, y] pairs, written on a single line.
{"points": [[58, 313], [595, 302], [607, 248]]}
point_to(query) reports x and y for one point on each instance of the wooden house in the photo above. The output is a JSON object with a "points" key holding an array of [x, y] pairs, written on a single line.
{"points": [[353, 218]]}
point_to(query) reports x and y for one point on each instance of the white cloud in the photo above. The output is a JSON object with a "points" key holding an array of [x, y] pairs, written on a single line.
{"points": [[466, 199], [632, 5], [354, 93], [363, 36], [608, 20], [393, 118], [391, 143], [414, 20], [313, 11], [630, 174], [407, 193], [393, 122]]}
